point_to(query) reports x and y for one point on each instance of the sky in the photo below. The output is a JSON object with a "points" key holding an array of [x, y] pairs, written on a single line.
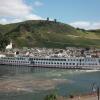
{"points": [[78, 13]]}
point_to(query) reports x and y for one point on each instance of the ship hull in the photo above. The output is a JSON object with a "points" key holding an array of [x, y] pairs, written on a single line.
{"points": [[55, 66]]}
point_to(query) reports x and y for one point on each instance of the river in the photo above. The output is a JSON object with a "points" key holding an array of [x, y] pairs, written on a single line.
{"points": [[28, 83]]}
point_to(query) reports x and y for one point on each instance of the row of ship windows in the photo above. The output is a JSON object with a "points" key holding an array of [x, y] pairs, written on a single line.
{"points": [[15, 61], [50, 59], [64, 63], [54, 63], [66, 59], [12, 58]]}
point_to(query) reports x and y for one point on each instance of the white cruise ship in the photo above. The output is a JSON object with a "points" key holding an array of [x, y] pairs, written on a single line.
{"points": [[53, 62]]}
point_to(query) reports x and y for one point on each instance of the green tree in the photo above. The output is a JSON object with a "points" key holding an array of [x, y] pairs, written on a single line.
{"points": [[4, 41], [51, 97]]}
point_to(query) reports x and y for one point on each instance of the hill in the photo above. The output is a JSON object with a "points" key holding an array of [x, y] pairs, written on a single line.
{"points": [[42, 33]]}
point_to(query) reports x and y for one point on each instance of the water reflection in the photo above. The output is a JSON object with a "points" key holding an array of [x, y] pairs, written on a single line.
{"points": [[13, 70], [27, 79]]}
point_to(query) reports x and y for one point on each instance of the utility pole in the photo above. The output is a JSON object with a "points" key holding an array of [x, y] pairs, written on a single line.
{"points": [[98, 92]]}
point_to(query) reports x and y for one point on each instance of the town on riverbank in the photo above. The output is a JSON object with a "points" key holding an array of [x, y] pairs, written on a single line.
{"points": [[52, 52]]}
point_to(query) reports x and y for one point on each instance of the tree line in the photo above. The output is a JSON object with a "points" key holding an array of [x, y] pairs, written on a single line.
{"points": [[4, 41]]}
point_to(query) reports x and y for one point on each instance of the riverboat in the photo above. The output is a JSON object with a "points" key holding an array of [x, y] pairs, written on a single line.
{"points": [[91, 63]]}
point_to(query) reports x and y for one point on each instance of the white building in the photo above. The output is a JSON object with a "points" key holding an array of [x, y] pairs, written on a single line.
{"points": [[8, 47]]}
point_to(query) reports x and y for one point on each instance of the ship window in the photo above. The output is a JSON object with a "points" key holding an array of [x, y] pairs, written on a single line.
{"points": [[57, 63], [66, 63], [29, 58], [73, 63]]}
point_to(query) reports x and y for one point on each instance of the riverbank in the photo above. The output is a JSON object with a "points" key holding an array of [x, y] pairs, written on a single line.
{"points": [[85, 97], [81, 97]]}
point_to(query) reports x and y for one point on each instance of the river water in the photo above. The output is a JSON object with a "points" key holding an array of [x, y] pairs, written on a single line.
{"points": [[28, 83]]}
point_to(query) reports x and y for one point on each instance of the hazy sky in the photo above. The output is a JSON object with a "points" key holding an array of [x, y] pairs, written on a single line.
{"points": [[78, 13]]}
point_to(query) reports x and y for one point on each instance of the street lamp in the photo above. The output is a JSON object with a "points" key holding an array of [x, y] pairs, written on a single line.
{"points": [[98, 92]]}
